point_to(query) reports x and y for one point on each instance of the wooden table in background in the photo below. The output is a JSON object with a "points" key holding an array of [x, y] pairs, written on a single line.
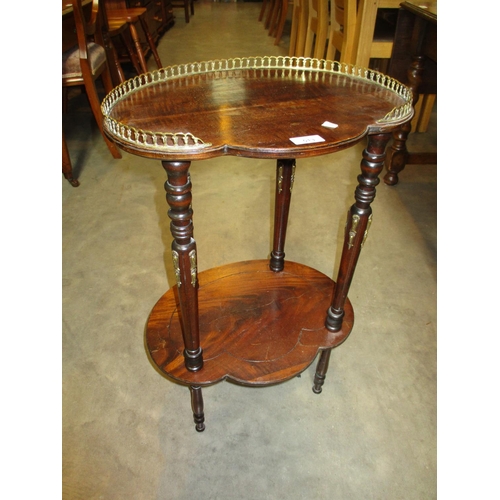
{"points": [[413, 62]]}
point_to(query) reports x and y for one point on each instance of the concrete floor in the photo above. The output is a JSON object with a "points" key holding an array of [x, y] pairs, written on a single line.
{"points": [[128, 432]]}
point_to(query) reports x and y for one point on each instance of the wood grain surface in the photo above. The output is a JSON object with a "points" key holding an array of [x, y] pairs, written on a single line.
{"points": [[257, 327], [255, 112]]}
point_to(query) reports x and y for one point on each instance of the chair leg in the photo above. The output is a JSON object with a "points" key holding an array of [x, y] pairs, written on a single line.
{"points": [[138, 48], [263, 9], [107, 81], [66, 164], [301, 32], [131, 52], [95, 105], [115, 67], [281, 24], [186, 10], [151, 42], [197, 406], [321, 369], [269, 13], [312, 26], [274, 18], [293, 33]]}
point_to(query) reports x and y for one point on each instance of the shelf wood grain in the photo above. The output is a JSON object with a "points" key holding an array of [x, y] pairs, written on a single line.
{"points": [[257, 326]]}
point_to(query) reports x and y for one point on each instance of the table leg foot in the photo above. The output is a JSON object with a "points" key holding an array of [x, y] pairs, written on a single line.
{"points": [[321, 369], [197, 406], [74, 182]]}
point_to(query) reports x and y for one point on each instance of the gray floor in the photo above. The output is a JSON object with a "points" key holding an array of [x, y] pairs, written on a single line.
{"points": [[128, 432]]}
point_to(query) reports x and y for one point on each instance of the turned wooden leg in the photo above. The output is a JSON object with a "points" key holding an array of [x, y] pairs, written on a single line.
{"points": [[197, 406], [151, 42], [115, 68], [398, 154], [285, 171], [321, 369], [131, 52], [138, 48], [358, 222], [178, 188]]}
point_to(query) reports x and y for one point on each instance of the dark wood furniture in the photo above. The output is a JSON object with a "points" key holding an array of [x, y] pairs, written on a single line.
{"points": [[187, 5], [117, 11], [159, 15], [155, 17], [116, 29], [256, 322], [67, 167], [414, 62], [83, 61]]}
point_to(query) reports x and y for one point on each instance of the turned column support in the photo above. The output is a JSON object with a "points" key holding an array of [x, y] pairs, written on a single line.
{"points": [[178, 188], [358, 223], [285, 173], [197, 407], [321, 369]]}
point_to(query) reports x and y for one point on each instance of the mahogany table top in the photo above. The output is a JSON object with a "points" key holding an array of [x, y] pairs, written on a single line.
{"points": [[265, 107]]}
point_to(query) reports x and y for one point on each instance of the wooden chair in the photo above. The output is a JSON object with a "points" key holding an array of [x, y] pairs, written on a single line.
{"points": [[342, 31], [343, 36], [317, 28], [84, 63], [379, 46], [118, 29], [344, 24], [299, 28], [117, 11], [383, 39]]}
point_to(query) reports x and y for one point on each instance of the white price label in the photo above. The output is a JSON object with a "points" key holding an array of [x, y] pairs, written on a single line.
{"points": [[329, 125], [307, 139]]}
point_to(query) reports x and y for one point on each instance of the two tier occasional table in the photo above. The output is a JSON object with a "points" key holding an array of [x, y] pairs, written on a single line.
{"points": [[256, 322]]}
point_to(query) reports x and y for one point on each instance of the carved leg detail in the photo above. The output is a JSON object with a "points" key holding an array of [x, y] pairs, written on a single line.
{"points": [[178, 188], [285, 171], [321, 369], [358, 222], [197, 406]]}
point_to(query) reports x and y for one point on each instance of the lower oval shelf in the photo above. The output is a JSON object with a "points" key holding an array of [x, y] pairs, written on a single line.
{"points": [[257, 327]]}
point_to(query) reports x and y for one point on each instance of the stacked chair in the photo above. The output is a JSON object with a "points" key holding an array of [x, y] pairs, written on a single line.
{"points": [[82, 65], [329, 29]]}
